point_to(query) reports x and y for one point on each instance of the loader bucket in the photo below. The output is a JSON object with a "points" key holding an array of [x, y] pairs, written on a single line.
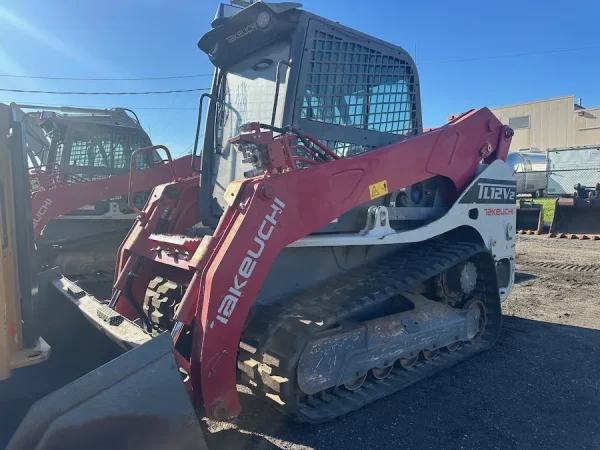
{"points": [[136, 401], [530, 218], [576, 219]]}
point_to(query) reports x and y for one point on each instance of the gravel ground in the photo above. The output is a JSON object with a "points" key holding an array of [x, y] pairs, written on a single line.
{"points": [[537, 388]]}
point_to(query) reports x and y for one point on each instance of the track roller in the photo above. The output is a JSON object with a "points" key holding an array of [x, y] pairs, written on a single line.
{"points": [[430, 355], [478, 305], [407, 363], [356, 383], [452, 347], [381, 373]]}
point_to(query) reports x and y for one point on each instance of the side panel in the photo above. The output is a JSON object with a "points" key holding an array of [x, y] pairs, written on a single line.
{"points": [[27, 260], [486, 206], [20, 342]]}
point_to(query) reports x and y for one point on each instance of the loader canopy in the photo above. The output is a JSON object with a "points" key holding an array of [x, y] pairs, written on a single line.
{"points": [[280, 65], [94, 150]]}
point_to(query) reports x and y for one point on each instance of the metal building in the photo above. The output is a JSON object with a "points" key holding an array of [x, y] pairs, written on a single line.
{"points": [[551, 123]]}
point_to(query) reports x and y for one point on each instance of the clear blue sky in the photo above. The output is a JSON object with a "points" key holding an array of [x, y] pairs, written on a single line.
{"points": [[137, 38]]}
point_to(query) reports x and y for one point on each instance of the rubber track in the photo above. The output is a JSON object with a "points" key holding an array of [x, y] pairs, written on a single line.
{"points": [[593, 268], [159, 299], [276, 337]]}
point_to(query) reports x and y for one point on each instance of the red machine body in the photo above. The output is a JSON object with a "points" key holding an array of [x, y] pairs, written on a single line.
{"points": [[224, 270]]}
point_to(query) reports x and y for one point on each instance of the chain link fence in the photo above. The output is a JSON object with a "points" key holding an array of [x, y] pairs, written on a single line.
{"points": [[557, 182], [559, 173]]}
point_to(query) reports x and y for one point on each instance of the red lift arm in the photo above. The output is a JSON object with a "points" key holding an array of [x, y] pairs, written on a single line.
{"points": [[55, 193]]}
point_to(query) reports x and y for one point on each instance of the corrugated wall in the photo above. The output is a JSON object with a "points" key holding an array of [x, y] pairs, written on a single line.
{"points": [[554, 123], [587, 130], [549, 123]]}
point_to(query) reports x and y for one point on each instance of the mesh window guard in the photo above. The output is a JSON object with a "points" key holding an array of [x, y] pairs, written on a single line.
{"points": [[354, 85], [106, 149]]}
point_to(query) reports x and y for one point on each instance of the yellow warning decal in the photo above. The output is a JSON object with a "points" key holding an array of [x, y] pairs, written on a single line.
{"points": [[378, 189]]}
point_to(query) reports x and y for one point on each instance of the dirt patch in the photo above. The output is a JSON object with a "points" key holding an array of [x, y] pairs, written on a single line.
{"points": [[563, 281]]}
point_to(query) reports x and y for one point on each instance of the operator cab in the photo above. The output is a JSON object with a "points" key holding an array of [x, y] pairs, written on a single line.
{"points": [[94, 146], [86, 145], [277, 64]]}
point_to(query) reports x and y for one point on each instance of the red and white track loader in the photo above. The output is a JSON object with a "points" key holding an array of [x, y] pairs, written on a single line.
{"points": [[79, 163], [332, 253]]}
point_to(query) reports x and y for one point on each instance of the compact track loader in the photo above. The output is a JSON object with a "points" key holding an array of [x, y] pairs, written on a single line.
{"points": [[332, 253], [79, 170]]}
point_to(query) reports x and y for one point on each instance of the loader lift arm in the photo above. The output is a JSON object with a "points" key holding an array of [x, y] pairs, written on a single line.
{"points": [[58, 196]]}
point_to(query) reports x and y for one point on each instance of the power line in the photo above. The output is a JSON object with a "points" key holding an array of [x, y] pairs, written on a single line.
{"points": [[198, 75], [104, 93], [185, 152], [514, 55], [56, 105], [175, 77]]}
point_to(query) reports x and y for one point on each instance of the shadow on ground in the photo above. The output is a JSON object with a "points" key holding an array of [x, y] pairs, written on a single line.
{"points": [[76, 349], [537, 388], [521, 277]]}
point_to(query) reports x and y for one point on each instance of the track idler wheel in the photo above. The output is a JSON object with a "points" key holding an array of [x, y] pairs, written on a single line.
{"points": [[478, 304], [456, 283], [356, 383], [381, 373]]}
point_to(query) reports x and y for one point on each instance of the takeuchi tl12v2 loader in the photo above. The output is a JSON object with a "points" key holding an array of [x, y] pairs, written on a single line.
{"points": [[332, 253]]}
